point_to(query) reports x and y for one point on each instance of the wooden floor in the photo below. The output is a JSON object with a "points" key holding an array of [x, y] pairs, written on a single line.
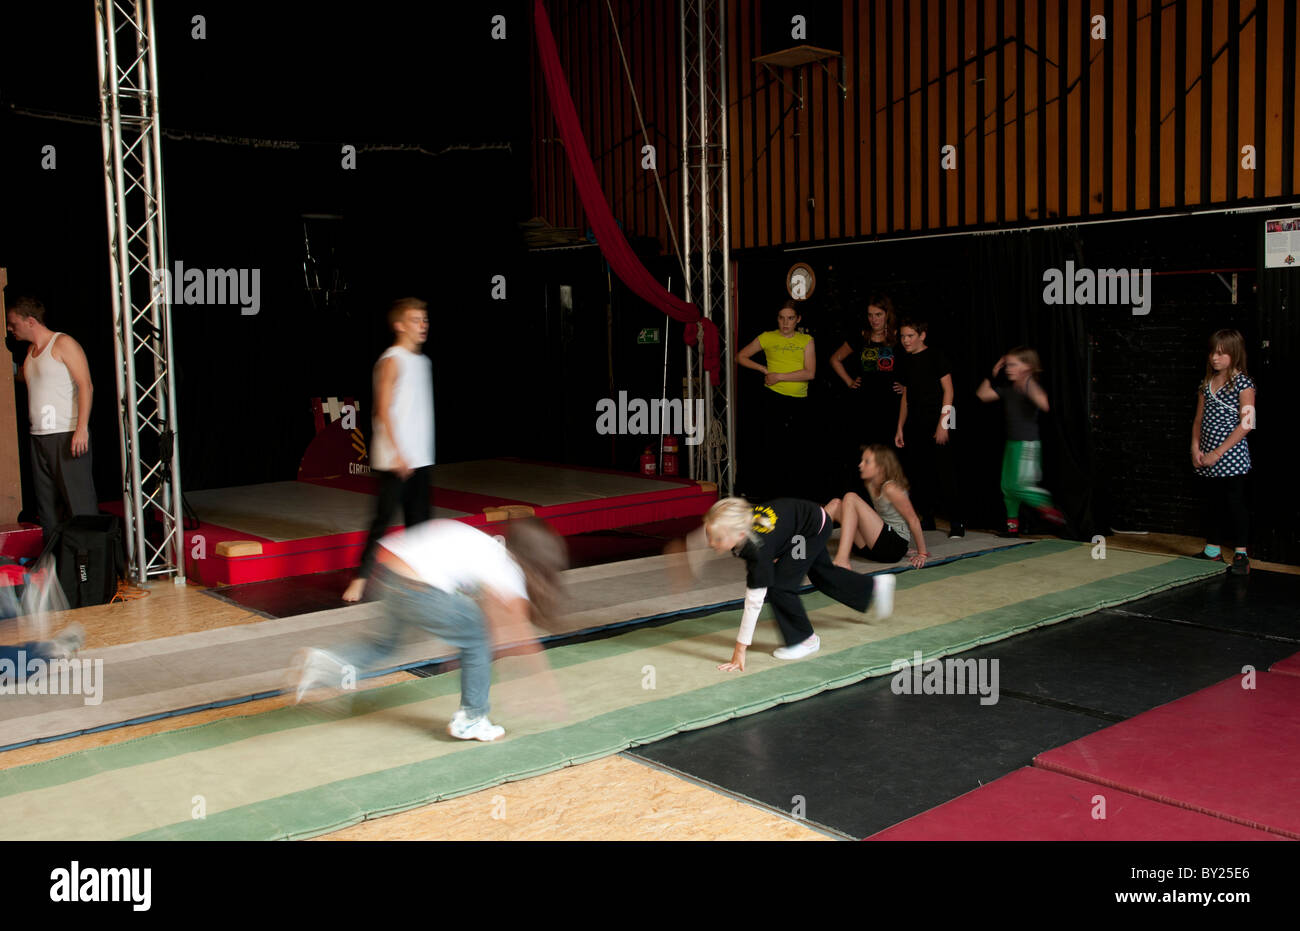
{"points": [[1183, 546], [616, 798], [164, 610]]}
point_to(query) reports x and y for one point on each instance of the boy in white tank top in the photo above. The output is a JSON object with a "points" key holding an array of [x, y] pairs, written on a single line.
{"points": [[59, 395], [402, 450]]}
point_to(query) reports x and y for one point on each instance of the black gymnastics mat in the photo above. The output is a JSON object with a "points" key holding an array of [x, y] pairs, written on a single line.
{"points": [[861, 759], [1119, 665], [864, 759], [1261, 604]]}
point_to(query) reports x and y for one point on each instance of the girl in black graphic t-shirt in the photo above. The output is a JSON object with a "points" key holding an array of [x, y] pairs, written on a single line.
{"points": [[869, 374]]}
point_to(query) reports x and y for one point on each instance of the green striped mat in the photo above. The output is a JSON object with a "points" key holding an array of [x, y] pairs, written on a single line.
{"points": [[307, 770]]}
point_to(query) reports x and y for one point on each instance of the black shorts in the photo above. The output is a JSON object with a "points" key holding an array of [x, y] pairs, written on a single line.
{"points": [[889, 547]]}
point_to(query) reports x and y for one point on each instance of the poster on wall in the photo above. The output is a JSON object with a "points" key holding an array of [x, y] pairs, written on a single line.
{"points": [[1281, 243]]}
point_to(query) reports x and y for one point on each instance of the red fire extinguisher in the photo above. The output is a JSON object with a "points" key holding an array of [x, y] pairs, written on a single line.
{"points": [[648, 463], [670, 455]]}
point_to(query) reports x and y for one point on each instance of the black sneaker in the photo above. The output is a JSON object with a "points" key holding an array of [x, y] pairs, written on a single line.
{"points": [[1240, 564], [956, 531], [927, 523]]}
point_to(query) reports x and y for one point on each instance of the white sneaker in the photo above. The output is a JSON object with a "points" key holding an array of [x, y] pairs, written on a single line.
{"points": [[68, 643], [317, 668], [463, 727], [799, 650], [882, 594]]}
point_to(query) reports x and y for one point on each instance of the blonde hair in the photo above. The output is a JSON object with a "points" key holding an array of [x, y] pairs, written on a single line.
{"points": [[891, 470], [1029, 357], [732, 515], [1232, 344]]}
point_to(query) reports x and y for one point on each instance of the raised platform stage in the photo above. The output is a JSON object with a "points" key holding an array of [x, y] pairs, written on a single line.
{"points": [[320, 524], [20, 541]]}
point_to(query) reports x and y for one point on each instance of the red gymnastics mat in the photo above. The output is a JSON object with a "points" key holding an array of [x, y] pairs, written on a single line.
{"points": [[1287, 667], [1036, 805], [1226, 751]]}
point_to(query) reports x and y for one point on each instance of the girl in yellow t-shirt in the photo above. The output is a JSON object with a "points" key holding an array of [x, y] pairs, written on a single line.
{"points": [[791, 364], [791, 359]]}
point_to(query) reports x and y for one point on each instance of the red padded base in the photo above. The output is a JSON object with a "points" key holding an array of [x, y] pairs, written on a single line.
{"points": [[1035, 804], [284, 558], [21, 541], [1226, 751], [1287, 667]]}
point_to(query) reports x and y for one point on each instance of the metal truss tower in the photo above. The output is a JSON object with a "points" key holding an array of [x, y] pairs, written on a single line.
{"points": [[137, 241], [706, 229]]}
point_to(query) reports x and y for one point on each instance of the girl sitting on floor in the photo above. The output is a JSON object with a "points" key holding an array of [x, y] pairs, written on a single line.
{"points": [[883, 529]]}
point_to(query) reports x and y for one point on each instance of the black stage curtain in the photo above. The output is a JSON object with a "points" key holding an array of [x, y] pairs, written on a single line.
{"points": [[1275, 498]]}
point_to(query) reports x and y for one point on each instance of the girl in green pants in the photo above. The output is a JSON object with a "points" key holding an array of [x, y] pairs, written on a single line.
{"points": [[1022, 471]]}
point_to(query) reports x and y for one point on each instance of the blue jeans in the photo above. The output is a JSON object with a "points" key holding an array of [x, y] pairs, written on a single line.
{"points": [[453, 617], [34, 650]]}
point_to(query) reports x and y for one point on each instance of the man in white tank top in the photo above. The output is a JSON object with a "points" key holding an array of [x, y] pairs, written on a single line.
{"points": [[402, 449], [59, 394]]}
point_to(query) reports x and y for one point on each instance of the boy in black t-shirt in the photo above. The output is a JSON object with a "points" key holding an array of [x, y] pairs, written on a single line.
{"points": [[926, 421]]}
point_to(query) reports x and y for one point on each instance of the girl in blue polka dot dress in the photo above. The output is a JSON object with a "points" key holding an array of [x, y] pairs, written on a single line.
{"points": [[1225, 413]]}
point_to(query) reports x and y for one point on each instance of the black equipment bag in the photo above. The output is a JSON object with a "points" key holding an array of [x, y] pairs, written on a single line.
{"points": [[88, 557]]}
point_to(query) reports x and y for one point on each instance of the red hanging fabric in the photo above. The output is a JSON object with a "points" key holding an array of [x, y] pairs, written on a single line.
{"points": [[613, 244]]}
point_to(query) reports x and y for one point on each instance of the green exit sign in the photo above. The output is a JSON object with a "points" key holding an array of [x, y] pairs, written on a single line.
{"points": [[648, 336]]}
